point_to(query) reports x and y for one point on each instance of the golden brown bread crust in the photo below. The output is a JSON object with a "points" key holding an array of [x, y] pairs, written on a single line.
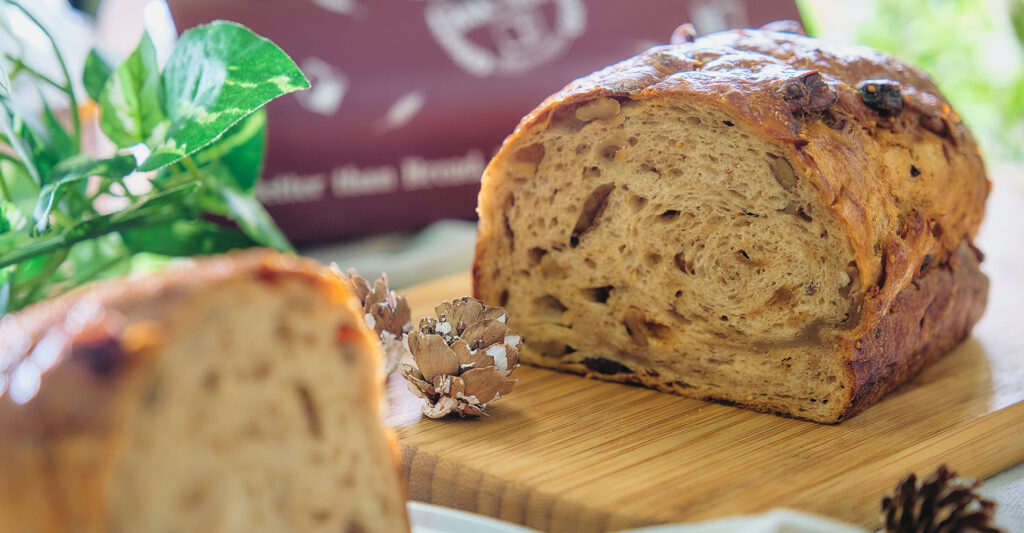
{"points": [[927, 318], [880, 144], [88, 352]]}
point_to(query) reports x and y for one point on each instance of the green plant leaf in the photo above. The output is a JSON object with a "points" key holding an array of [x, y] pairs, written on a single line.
{"points": [[1016, 8], [95, 74], [59, 144], [254, 220], [77, 169], [100, 258], [218, 74], [11, 219], [11, 126], [131, 103], [154, 209], [185, 238], [29, 280], [17, 186], [240, 150], [224, 197]]}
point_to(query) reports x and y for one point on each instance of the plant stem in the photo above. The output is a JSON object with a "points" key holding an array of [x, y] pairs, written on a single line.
{"points": [[3, 182], [46, 245], [191, 167], [17, 143]]}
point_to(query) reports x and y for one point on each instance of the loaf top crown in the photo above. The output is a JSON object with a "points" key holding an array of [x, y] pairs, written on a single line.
{"points": [[874, 136], [796, 77], [105, 317]]}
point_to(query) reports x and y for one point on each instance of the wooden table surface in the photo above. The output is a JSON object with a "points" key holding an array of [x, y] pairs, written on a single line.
{"points": [[564, 453]]}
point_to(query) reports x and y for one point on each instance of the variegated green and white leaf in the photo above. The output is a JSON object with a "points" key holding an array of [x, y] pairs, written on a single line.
{"points": [[218, 74]]}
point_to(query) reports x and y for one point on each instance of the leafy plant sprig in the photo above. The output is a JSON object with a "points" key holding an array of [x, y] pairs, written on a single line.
{"points": [[197, 128]]}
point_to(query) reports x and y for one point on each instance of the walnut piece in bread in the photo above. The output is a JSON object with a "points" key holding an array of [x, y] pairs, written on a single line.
{"points": [[753, 216], [241, 393]]}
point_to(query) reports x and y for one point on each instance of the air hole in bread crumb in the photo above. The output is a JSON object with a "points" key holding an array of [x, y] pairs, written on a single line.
{"points": [[653, 259], [914, 172], [637, 202], [509, 234], [262, 370], [591, 172], [679, 317], [657, 330], [590, 262], [685, 266], [550, 348], [633, 141], [598, 294], [581, 148], [526, 160], [194, 496], [503, 298], [536, 253], [547, 308], [606, 366], [211, 382], [724, 318], [608, 151], [640, 328], [310, 411], [693, 121], [728, 123], [592, 209], [153, 395], [668, 215]]}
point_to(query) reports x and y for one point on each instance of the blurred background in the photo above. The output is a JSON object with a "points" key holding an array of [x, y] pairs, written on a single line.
{"points": [[377, 166]]}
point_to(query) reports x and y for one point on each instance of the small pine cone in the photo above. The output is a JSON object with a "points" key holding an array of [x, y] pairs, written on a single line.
{"points": [[464, 357], [386, 313], [942, 503]]}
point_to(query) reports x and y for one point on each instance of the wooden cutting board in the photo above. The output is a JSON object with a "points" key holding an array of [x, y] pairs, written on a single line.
{"points": [[565, 453]]}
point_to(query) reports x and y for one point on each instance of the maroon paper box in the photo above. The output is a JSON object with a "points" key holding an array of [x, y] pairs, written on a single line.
{"points": [[411, 98]]}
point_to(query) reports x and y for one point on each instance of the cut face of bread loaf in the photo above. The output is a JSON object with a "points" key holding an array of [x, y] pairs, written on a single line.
{"points": [[239, 394], [737, 218]]}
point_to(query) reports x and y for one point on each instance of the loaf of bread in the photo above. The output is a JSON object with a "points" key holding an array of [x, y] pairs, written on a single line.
{"points": [[754, 216], [238, 394]]}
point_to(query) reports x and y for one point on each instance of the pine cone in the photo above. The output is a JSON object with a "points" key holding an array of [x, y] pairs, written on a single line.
{"points": [[943, 503], [464, 358], [386, 313]]}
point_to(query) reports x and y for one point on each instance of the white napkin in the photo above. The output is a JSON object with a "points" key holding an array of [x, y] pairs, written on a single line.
{"points": [[777, 521]]}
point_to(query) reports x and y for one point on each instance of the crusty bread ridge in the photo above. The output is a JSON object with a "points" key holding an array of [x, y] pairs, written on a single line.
{"points": [[240, 393], [752, 216]]}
